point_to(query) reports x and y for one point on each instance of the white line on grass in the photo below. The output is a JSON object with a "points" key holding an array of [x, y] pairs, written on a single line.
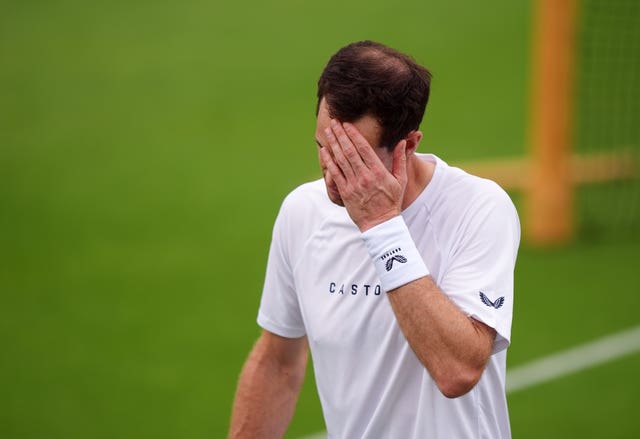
{"points": [[566, 362], [573, 360]]}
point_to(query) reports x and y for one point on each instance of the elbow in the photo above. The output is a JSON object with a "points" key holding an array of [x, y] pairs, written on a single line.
{"points": [[454, 385]]}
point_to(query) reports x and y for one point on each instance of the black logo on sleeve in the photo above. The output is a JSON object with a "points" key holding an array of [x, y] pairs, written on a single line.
{"points": [[497, 304], [391, 256]]}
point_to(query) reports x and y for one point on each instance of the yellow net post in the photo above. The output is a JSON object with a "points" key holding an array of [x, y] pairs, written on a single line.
{"points": [[549, 192]]}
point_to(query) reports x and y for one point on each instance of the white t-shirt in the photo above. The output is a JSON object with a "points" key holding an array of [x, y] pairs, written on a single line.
{"points": [[321, 282]]}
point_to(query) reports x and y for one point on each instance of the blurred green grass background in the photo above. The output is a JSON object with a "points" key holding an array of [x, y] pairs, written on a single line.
{"points": [[145, 148]]}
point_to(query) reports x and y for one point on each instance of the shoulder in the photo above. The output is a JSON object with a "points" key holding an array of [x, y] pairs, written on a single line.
{"points": [[467, 207], [306, 202], [306, 207], [464, 192], [307, 195], [306, 211]]}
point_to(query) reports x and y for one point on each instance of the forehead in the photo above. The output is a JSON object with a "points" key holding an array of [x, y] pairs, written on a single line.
{"points": [[367, 125]]}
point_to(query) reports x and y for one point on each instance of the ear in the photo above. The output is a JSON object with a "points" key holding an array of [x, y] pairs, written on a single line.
{"points": [[413, 140]]}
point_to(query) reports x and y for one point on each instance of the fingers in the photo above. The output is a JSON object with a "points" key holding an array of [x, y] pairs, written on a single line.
{"points": [[364, 149], [345, 153], [332, 169], [353, 157], [338, 155]]}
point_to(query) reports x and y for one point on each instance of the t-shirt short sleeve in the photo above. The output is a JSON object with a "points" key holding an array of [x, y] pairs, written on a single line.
{"points": [[479, 277], [279, 308]]}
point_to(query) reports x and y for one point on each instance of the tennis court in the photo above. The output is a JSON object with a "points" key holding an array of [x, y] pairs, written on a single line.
{"points": [[145, 148]]}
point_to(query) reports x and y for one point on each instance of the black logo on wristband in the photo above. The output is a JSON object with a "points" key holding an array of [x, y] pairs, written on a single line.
{"points": [[389, 264], [391, 256]]}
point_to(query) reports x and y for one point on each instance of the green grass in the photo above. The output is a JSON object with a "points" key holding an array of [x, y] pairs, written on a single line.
{"points": [[145, 148], [598, 402]]}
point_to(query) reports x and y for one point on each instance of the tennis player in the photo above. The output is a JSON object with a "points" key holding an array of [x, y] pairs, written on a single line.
{"points": [[395, 271]]}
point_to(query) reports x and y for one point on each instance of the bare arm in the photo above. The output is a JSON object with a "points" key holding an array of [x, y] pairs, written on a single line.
{"points": [[452, 346], [269, 386]]}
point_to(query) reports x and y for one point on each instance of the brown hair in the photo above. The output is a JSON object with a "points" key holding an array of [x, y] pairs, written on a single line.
{"points": [[369, 78]]}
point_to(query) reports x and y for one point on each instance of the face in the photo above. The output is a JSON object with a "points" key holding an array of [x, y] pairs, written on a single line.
{"points": [[368, 127]]}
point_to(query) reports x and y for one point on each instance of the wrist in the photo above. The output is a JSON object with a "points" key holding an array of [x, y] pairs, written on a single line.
{"points": [[394, 254], [371, 223]]}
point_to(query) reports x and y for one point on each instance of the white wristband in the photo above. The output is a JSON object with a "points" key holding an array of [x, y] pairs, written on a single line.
{"points": [[394, 254]]}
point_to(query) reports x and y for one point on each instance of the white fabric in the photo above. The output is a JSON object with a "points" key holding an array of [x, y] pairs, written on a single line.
{"points": [[321, 282], [394, 254]]}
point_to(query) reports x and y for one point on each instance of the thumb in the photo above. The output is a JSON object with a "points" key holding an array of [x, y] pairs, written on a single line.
{"points": [[399, 170]]}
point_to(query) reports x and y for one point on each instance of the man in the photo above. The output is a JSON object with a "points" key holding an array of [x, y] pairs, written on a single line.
{"points": [[395, 269]]}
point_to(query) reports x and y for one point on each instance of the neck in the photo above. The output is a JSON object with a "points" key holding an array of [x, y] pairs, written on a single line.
{"points": [[419, 173]]}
